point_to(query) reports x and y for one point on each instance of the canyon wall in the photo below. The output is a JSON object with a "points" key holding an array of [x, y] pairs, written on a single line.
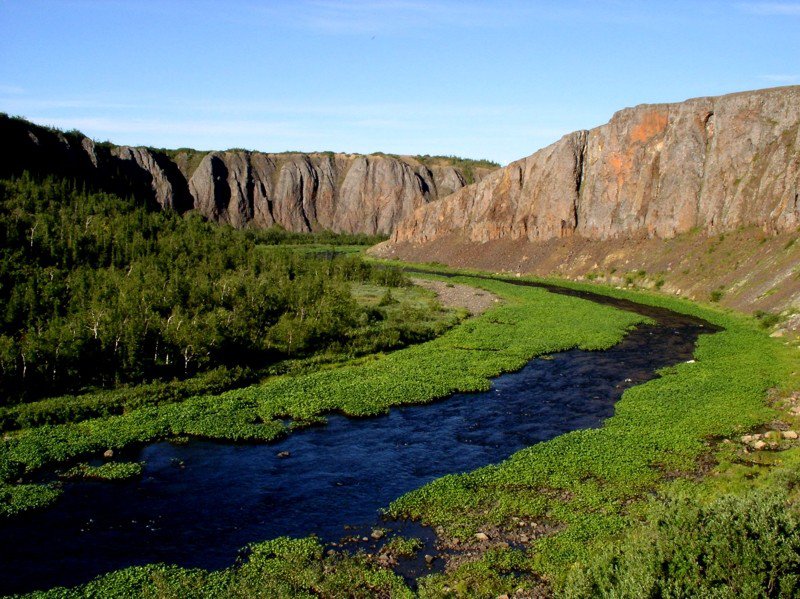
{"points": [[654, 171], [301, 192]]}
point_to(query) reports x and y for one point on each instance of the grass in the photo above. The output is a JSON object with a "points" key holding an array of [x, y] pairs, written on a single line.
{"points": [[586, 480], [587, 483], [280, 568], [403, 546], [593, 488], [403, 300], [110, 471]]}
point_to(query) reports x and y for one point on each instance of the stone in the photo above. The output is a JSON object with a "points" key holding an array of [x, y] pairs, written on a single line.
{"points": [[481, 536], [301, 192], [283, 454], [652, 171], [108, 453], [377, 534], [790, 435], [758, 445], [429, 559]]}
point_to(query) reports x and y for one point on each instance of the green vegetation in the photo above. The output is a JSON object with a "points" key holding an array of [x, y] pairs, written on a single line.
{"points": [[625, 506], [591, 486], [279, 568], [531, 322], [100, 291], [586, 480], [109, 471], [467, 166], [767, 319], [736, 546], [402, 546]]}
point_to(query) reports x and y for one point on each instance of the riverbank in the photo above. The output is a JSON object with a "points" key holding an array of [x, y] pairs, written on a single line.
{"points": [[529, 323], [581, 490]]}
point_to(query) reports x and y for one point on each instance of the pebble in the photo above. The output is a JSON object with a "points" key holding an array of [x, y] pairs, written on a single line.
{"points": [[482, 536], [377, 534], [284, 454], [108, 453], [790, 434], [429, 559], [759, 445]]}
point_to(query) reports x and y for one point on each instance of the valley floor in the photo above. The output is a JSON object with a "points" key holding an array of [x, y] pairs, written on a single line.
{"points": [[747, 270], [608, 509]]}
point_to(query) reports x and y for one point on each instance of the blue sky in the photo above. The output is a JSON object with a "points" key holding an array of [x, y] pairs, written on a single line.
{"points": [[478, 79]]}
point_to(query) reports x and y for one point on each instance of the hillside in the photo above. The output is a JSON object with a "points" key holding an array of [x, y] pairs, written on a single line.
{"points": [[347, 193], [650, 196]]}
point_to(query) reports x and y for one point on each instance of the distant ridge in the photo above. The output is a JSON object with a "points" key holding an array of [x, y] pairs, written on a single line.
{"points": [[347, 193]]}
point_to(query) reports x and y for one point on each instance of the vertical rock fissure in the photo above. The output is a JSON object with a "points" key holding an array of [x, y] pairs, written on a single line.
{"points": [[708, 128], [584, 137], [250, 186]]}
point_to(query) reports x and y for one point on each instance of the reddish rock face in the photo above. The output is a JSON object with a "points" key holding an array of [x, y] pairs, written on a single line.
{"points": [[714, 164]]}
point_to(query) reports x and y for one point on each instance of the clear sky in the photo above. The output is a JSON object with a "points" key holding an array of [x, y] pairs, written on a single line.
{"points": [[478, 79]]}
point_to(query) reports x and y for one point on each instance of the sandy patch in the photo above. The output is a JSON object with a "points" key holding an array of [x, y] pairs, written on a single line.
{"points": [[454, 295]]}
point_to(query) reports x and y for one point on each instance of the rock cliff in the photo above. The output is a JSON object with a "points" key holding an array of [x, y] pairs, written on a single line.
{"points": [[300, 192], [654, 171]]}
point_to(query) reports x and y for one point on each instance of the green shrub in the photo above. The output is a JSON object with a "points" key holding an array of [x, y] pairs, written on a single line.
{"points": [[735, 547]]}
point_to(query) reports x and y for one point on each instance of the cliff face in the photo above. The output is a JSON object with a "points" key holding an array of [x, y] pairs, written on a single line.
{"points": [[300, 192], [654, 171]]}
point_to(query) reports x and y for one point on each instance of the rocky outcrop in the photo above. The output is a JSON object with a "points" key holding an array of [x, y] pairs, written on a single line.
{"points": [[300, 192], [168, 187], [654, 171], [308, 192]]}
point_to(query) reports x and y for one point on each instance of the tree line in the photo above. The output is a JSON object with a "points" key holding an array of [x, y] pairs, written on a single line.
{"points": [[98, 290]]}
